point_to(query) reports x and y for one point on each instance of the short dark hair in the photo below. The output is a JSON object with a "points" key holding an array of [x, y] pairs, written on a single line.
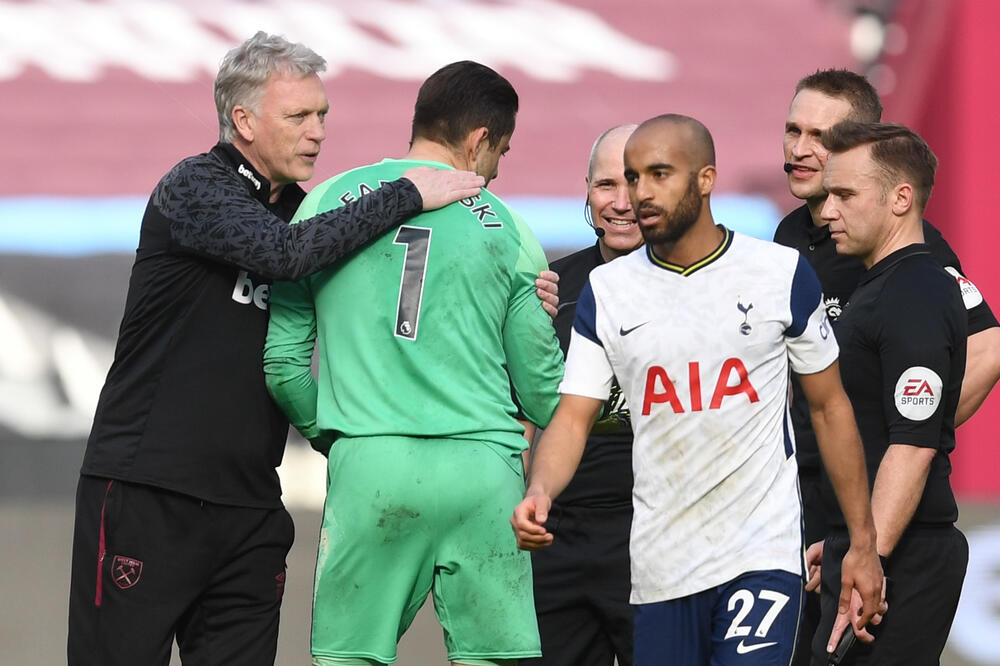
{"points": [[899, 154], [856, 90], [461, 97]]}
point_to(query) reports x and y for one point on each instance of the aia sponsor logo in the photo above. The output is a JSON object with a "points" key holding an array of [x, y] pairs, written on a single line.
{"points": [[918, 393], [126, 571], [733, 379]]}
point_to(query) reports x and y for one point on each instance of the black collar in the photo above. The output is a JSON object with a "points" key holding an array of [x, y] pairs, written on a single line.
{"points": [[258, 186], [803, 218], [892, 259]]}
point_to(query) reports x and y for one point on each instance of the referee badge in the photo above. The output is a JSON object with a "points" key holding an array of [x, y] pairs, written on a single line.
{"points": [[126, 571], [918, 393], [971, 295]]}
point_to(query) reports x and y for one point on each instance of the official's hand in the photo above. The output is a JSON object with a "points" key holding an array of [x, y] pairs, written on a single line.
{"points": [[440, 187], [547, 290], [814, 560], [528, 522]]}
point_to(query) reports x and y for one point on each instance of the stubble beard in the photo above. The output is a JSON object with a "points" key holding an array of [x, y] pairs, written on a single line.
{"points": [[677, 222]]}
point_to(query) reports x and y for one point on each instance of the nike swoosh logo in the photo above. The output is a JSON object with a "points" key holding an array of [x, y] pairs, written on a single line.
{"points": [[565, 305], [626, 331], [743, 649]]}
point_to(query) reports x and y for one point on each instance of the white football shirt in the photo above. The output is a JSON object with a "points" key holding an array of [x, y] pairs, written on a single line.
{"points": [[702, 354]]}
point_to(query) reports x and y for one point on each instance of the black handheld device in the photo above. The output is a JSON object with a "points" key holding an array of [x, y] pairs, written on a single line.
{"points": [[847, 640]]}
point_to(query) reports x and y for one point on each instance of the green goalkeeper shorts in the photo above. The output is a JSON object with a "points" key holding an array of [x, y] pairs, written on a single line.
{"points": [[407, 516]]}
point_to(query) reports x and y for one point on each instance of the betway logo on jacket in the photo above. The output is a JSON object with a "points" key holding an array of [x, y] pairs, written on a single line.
{"points": [[245, 292], [248, 174]]}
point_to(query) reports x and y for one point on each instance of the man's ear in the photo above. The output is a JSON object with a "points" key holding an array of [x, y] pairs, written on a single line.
{"points": [[901, 198], [706, 179], [245, 122], [475, 141]]}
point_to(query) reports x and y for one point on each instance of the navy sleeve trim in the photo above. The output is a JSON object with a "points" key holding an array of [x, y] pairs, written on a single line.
{"points": [[806, 295], [585, 322]]}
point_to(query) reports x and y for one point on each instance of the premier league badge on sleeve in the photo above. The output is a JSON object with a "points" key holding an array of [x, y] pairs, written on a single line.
{"points": [[126, 571]]}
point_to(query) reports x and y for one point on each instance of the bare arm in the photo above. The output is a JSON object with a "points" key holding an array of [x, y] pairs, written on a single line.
{"points": [[840, 446], [982, 370], [554, 461], [843, 456], [899, 485]]}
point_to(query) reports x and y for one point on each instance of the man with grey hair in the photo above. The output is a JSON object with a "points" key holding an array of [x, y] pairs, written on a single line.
{"points": [[582, 581], [180, 530]]}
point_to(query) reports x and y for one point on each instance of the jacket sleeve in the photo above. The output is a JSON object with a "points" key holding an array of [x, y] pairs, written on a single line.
{"points": [[213, 216]]}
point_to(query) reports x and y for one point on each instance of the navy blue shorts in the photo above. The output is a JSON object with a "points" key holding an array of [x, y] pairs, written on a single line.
{"points": [[752, 621]]}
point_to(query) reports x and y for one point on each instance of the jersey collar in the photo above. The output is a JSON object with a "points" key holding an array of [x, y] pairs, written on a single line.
{"points": [[727, 240], [891, 260]]}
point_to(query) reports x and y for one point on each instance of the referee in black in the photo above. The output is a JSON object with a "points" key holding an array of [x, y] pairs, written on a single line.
{"points": [[903, 346], [582, 581]]}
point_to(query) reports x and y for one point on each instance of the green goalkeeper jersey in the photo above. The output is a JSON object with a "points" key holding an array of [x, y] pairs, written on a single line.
{"points": [[429, 331]]}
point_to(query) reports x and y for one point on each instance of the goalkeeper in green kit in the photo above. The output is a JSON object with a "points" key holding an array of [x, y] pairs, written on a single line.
{"points": [[423, 335]]}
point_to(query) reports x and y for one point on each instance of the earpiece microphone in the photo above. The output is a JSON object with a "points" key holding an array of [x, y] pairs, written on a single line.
{"points": [[590, 222], [788, 167]]}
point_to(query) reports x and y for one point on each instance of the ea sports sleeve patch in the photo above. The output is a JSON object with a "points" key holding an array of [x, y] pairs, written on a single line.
{"points": [[918, 393]]}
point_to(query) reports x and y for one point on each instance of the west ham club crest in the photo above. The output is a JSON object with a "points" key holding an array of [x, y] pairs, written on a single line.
{"points": [[126, 571]]}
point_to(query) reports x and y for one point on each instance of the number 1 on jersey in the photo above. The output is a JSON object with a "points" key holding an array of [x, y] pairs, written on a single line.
{"points": [[411, 285]]}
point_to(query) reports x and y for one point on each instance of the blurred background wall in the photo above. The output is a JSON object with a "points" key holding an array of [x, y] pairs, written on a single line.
{"points": [[98, 99]]}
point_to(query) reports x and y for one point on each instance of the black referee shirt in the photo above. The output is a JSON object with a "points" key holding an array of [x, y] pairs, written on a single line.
{"points": [[839, 275], [604, 477], [902, 349]]}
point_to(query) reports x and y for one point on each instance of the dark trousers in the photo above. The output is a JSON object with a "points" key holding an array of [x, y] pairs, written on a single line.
{"points": [[815, 528], [582, 586], [927, 569], [150, 565]]}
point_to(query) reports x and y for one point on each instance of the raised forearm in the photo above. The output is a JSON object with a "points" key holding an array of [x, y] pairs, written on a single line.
{"points": [[241, 232]]}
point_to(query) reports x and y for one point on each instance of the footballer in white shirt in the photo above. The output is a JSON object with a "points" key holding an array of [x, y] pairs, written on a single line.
{"points": [[701, 327]]}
